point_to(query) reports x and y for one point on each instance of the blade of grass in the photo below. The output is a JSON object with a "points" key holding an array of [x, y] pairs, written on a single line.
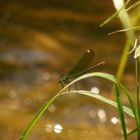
{"points": [[115, 14], [132, 6], [133, 107], [101, 98], [125, 20], [38, 115], [125, 30], [34, 120], [120, 111], [130, 133], [137, 91], [137, 52]]}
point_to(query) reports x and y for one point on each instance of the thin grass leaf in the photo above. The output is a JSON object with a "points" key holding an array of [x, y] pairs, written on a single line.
{"points": [[38, 115], [101, 98], [125, 30], [133, 107], [34, 121], [134, 47], [130, 133], [121, 112], [93, 74], [132, 104], [115, 14], [131, 7], [137, 52], [137, 88]]}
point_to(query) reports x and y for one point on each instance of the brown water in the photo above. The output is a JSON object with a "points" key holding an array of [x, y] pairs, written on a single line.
{"points": [[39, 42]]}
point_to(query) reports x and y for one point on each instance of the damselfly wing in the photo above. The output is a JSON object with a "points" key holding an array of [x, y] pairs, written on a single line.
{"points": [[82, 63], [81, 67]]}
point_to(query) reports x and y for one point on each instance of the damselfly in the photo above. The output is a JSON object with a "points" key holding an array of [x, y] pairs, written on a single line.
{"points": [[81, 67]]}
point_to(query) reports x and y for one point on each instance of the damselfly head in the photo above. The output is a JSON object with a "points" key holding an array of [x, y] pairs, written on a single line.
{"points": [[63, 80]]}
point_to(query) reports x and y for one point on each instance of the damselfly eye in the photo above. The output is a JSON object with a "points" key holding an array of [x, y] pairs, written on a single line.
{"points": [[60, 81]]}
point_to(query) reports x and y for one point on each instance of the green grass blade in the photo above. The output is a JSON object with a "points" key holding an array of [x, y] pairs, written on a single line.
{"points": [[37, 117], [133, 131], [132, 6], [133, 107], [115, 14], [101, 98], [125, 30], [130, 133], [94, 74], [34, 121], [137, 52], [121, 112]]}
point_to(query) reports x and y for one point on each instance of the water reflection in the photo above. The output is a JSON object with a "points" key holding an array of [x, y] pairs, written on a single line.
{"points": [[27, 101], [46, 76], [92, 113], [102, 115], [95, 90], [48, 128], [57, 128], [51, 108], [114, 120], [13, 94]]}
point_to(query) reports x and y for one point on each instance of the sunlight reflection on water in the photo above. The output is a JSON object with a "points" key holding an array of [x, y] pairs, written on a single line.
{"points": [[57, 128], [13, 93], [102, 115], [114, 120], [95, 90]]}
